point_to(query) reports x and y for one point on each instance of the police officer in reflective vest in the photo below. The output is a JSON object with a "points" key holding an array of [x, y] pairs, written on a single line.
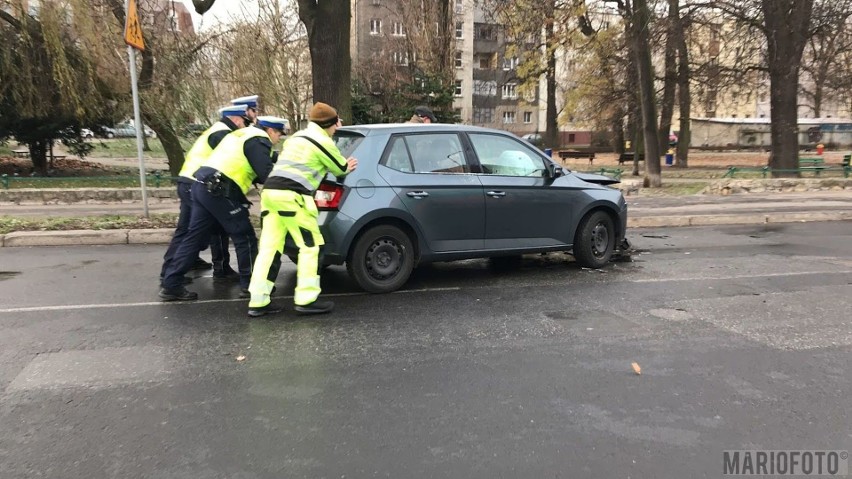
{"points": [[288, 212], [243, 157], [232, 118]]}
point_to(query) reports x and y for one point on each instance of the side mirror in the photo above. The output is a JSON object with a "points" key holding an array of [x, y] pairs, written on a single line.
{"points": [[554, 171]]}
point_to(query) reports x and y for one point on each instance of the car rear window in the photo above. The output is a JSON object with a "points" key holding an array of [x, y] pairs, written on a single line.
{"points": [[347, 141]]}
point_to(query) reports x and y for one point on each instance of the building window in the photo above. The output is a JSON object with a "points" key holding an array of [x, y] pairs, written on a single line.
{"points": [[398, 29], [510, 92], [459, 6], [377, 2], [572, 138], [458, 59], [459, 30], [486, 32], [485, 88], [375, 27], [510, 63], [527, 117], [458, 91], [400, 58], [508, 117], [485, 61], [483, 115]]}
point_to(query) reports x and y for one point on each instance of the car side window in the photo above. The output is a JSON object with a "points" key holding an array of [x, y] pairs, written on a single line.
{"points": [[500, 155], [397, 157], [437, 153]]}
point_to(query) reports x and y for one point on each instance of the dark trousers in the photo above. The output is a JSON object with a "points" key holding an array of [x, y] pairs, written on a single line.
{"points": [[209, 212], [218, 239]]}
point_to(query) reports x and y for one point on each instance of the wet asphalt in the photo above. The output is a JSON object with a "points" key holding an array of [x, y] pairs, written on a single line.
{"points": [[475, 370]]}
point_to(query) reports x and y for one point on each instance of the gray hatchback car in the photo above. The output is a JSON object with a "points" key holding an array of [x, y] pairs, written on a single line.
{"points": [[427, 193]]}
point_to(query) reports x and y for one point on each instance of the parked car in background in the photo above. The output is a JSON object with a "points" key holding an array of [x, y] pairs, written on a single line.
{"points": [[87, 133], [127, 130], [427, 193], [534, 138]]}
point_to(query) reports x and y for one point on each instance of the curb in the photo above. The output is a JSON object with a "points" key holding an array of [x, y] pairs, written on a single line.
{"points": [[743, 219], [163, 236]]}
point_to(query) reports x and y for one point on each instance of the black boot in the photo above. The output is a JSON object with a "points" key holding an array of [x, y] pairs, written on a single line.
{"points": [[227, 274], [200, 265], [264, 310], [317, 307], [177, 294]]}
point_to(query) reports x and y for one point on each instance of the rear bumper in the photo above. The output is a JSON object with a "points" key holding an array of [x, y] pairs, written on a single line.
{"points": [[334, 226]]}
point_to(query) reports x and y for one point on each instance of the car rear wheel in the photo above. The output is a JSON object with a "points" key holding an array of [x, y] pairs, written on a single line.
{"points": [[381, 259], [595, 240], [110, 135]]}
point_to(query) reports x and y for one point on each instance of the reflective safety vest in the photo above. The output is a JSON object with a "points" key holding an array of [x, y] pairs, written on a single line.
{"points": [[230, 158], [200, 151], [302, 162]]}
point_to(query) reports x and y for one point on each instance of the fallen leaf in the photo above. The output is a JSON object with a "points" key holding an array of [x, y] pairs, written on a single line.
{"points": [[636, 368], [243, 358]]}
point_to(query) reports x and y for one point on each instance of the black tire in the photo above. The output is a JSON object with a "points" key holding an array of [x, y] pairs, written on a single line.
{"points": [[381, 260], [595, 240]]}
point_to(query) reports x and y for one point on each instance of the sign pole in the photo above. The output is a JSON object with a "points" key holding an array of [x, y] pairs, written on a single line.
{"points": [[139, 128], [133, 38]]}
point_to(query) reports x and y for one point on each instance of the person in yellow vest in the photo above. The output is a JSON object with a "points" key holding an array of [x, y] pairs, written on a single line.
{"points": [[289, 213], [231, 118], [244, 157]]}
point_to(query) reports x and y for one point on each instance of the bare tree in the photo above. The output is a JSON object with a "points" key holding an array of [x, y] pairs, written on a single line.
{"points": [[822, 68]]}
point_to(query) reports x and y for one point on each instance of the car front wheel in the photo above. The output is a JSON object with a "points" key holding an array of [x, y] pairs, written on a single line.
{"points": [[595, 240], [381, 259]]}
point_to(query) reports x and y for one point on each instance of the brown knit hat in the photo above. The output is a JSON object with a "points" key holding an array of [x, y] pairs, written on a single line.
{"points": [[323, 115]]}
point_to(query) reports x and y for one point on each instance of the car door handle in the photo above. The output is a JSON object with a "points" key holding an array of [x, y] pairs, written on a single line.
{"points": [[496, 194], [417, 194]]}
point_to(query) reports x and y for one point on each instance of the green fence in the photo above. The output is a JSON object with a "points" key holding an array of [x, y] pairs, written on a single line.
{"points": [[154, 180], [766, 171]]}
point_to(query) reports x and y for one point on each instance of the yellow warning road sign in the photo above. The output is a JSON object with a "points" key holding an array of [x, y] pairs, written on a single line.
{"points": [[132, 28]]}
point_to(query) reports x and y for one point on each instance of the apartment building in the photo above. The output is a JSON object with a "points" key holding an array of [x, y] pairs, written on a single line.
{"points": [[486, 91], [170, 16]]}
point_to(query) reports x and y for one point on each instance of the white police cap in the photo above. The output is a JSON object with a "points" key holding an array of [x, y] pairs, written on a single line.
{"points": [[233, 110], [272, 122], [249, 101]]}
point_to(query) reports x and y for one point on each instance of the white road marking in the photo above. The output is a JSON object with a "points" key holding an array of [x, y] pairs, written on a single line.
{"points": [[204, 301], [411, 291]]}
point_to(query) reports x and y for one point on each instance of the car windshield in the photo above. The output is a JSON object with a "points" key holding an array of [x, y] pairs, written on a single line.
{"points": [[347, 141]]}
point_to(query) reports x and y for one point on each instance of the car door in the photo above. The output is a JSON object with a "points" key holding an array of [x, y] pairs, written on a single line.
{"points": [[430, 174], [523, 207]]}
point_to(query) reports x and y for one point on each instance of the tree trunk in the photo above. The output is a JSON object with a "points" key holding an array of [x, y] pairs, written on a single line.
{"points": [[38, 155], [327, 23], [642, 50], [551, 135], [786, 25], [670, 78], [169, 139], [634, 110], [684, 96]]}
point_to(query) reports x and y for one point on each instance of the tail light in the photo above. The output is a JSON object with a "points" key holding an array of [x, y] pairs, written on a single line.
{"points": [[328, 196]]}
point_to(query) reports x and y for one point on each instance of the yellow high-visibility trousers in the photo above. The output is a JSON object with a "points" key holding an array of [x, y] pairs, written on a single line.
{"points": [[286, 214]]}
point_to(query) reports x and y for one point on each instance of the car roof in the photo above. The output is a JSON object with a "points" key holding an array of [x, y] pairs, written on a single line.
{"points": [[391, 128]]}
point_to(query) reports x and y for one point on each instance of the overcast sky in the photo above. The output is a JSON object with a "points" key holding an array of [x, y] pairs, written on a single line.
{"points": [[222, 12]]}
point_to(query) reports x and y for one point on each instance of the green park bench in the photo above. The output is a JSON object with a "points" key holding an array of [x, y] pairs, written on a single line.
{"points": [[812, 164], [611, 172]]}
